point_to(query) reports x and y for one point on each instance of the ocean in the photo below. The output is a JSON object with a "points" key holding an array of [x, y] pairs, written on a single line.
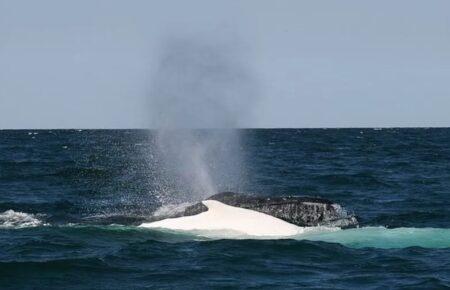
{"points": [[71, 200]]}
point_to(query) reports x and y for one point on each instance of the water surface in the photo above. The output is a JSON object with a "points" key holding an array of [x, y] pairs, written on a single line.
{"points": [[70, 201]]}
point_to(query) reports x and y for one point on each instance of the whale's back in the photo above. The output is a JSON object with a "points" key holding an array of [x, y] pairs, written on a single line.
{"points": [[299, 210]]}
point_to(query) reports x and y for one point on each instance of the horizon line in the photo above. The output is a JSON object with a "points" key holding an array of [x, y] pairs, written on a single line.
{"points": [[234, 128]]}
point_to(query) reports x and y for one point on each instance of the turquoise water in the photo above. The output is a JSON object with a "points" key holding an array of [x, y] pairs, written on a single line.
{"points": [[70, 201], [383, 238]]}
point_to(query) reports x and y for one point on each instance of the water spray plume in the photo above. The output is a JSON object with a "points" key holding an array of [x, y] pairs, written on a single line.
{"points": [[201, 93]]}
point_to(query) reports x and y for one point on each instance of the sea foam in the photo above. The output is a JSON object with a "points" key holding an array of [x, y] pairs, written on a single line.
{"points": [[14, 219]]}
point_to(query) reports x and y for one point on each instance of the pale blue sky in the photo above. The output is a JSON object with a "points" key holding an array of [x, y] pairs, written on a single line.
{"points": [[92, 64]]}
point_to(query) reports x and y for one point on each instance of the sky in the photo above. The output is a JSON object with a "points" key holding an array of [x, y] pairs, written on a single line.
{"points": [[341, 63]]}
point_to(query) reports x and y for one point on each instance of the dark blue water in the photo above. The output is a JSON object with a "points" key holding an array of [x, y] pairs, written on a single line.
{"points": [[70, 201]]}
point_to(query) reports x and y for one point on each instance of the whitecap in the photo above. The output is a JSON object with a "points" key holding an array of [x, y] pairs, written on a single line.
{"points": [[15, 219]]}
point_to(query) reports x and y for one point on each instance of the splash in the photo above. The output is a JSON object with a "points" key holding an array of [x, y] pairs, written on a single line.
{"points": [[14, 219]]}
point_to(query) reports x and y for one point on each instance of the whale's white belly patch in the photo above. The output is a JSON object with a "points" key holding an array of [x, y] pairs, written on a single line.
{"points": [[220, 216]]}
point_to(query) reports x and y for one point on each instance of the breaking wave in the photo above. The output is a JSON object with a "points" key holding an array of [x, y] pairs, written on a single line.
{"points": [[15, 219]]}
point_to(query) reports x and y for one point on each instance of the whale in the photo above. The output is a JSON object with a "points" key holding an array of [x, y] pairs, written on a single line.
{"points": [[255, 215]]}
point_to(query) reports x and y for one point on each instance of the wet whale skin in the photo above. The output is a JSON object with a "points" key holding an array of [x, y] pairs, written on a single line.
{"points": [[299, 210]]}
